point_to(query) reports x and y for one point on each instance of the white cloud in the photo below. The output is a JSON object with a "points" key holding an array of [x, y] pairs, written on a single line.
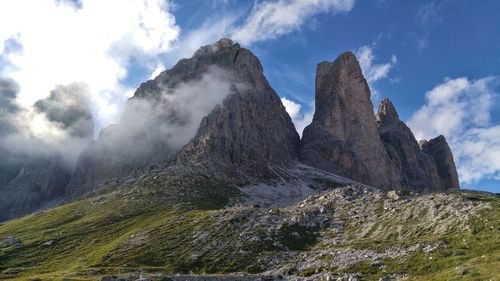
{"points": [[292, 108], [207, 33], [460, 110], [300, 119], [93, 44], [267, 20], [272, 19], [373, 72], [158, 69]]}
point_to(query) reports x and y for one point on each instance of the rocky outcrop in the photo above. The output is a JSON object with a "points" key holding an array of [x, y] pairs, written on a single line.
{"points": [[417, 169], [36, 184], [343, 138], [443, 158], [251, 129]]}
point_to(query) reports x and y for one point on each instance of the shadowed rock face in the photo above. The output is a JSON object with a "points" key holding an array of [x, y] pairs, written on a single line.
{"points": [[33, 185], [440, 151], [248, 130], [417, 169], [251, 129], [343, 138]]}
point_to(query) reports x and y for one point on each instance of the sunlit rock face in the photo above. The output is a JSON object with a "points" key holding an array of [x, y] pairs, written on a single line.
{"points": [[343, 137]]}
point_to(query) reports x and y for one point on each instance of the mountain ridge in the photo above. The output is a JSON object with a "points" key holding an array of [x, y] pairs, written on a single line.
{"points": [[240, 129]]}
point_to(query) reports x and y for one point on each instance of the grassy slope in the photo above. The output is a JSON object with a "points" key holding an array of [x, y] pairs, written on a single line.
{"points": [[470, 254], [159, 228]]}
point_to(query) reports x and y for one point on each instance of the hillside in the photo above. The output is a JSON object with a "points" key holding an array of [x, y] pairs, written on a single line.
{"points": [[176, 221]]}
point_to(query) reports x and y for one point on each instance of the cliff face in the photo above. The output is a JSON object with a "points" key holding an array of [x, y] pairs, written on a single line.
{"points": [[251, 129], [215, 109], [443, 158], [343, 137], [32, 185], [418, 170]]}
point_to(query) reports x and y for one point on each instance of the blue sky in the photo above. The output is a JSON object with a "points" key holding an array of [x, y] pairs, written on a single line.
{"points": [[438, 61]]}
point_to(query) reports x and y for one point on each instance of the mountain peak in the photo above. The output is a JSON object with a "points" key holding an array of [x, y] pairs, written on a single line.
{"points": [[215, 47], [347, 58], [387, 113]]}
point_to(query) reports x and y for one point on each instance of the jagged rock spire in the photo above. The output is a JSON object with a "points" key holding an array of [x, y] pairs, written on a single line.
{"points": [[343, 137], [418, 171], [387, 114]]}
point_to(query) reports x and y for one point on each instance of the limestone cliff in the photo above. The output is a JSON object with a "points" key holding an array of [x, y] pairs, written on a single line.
{"points": [[343, 136]]}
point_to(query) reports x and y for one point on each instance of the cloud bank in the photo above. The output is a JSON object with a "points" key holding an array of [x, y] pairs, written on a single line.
{"points": [[460, 109], [46, 43], [57, 126]]}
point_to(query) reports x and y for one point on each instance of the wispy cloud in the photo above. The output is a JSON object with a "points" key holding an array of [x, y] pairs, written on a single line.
{"points": [[428, 14], [427, 17], [371, 70], [272, 19], [461, 109], [267, 20]]}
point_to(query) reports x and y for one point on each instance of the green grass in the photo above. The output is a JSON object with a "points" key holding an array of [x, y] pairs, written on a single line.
{"points": [[148, 227], [472, 254], [169, 225]]}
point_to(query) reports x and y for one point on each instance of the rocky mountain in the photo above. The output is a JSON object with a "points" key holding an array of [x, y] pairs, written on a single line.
{"points": [[245, 130], [346, 139], [343, 138], [217, 113]]}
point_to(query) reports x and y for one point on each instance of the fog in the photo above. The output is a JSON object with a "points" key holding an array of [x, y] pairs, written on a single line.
{"points": [[57, 126], [153, 127], [159, 121]]}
